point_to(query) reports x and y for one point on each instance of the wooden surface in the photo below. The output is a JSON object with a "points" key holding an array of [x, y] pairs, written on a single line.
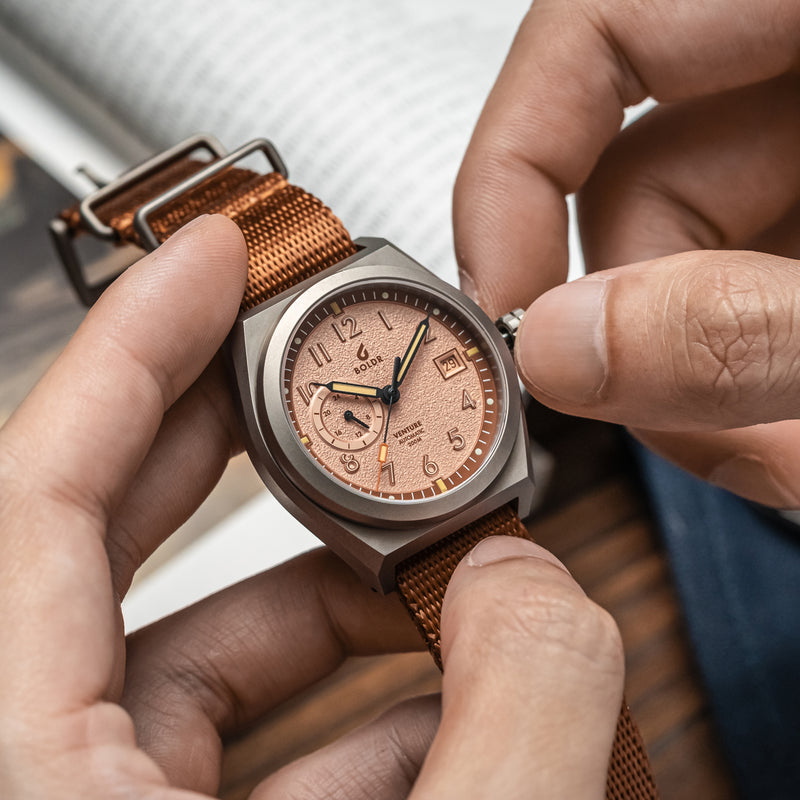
{"points": [[595, 519]]}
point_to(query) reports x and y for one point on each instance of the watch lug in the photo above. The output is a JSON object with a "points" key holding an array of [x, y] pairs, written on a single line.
{"points": [[376, 554]]}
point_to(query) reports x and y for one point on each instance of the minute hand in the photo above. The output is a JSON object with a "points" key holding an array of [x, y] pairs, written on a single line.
{"points": [[416, 342]]}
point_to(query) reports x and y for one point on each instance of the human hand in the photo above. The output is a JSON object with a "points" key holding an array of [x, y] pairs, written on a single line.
{"points": [[118, 444], [695, 352]]}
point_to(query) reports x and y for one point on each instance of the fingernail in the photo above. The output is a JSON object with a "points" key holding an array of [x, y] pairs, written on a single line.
{"points": [[749, 476], [561, 343], [494, 549]]}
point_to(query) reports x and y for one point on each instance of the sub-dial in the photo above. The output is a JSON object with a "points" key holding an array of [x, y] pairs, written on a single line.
{"points": [[346, 422]]}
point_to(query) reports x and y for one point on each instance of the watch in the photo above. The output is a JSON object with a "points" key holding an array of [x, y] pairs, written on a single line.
{"points": [[380, 405]]}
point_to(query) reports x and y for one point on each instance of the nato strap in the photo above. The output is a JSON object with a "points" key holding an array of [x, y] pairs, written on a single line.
{"points": [[421, 582], [291, 236]]}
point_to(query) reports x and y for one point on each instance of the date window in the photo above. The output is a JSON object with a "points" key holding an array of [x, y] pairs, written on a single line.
{"points": [[449, 363]]}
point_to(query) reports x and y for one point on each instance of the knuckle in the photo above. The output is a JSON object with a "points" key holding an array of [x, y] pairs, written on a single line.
{"points": [[734, 334], [125, 555]]}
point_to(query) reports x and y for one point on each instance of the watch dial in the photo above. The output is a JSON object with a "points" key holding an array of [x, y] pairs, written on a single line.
{"points": [[434, 432]]}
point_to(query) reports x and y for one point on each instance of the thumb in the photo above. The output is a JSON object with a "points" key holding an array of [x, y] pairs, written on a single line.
{"points": [[696, 341], [532, 681]]}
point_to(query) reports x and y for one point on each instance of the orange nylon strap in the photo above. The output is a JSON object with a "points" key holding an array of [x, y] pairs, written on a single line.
{"points": [[290, 236], [421, 583]]}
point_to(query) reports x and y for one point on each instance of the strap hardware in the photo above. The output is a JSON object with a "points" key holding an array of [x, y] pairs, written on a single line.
{"points": [[140, 218], [139, 173], [64, 234]]}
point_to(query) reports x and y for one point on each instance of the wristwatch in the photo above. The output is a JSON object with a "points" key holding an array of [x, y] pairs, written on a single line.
{"points": [[380, 405]]}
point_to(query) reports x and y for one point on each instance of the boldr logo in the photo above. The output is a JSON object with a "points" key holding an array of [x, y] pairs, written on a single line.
{"points": [[366, 361]]}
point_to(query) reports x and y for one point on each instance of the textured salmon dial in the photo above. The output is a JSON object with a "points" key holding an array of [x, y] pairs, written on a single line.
{"points": [[392, 391]]}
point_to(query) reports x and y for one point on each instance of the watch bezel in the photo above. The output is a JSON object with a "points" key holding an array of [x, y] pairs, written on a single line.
{"points": [[322, 487]]}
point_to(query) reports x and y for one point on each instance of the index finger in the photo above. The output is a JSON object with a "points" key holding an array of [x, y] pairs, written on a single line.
{"points": [[69, 452], [559, 100], [87, 425]]}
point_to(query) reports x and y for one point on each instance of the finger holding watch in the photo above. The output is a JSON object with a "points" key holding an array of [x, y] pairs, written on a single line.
{"points": [[517, 634], [559, 102], [206, 670], [695, 349], [684, 345]]}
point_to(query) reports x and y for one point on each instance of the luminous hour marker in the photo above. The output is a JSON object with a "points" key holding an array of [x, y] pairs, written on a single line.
{"points": [[336, 308], [478, 451], [298, 340], [385, 295], [306, 441], [489, 401], [473, 351], [440, 484]]}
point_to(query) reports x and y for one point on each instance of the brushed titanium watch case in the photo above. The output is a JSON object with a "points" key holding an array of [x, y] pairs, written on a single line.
{"points": [[371, 534]]}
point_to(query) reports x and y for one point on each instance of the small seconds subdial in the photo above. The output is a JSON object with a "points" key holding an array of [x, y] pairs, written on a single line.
{"points": [[345, 422]]}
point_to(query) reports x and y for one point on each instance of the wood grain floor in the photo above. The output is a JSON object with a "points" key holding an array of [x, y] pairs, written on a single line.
{"points": [[596, 520]]}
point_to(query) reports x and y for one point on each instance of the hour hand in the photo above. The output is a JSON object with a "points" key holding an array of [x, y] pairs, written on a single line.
{"points": [[351, 417], [358, 389]]}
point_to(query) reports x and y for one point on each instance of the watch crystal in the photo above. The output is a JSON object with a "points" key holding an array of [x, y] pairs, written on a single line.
{"points": [[430, 435]]}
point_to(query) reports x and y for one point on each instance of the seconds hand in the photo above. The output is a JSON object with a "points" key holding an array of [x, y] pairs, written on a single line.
{"points": [[384, 448]]}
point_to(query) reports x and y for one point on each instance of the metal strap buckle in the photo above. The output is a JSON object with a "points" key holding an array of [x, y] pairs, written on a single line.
{"points": [[140, 218], [64, 237]]}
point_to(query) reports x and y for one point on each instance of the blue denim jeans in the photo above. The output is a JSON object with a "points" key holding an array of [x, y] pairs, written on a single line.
{"points": [[737, 571]]}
